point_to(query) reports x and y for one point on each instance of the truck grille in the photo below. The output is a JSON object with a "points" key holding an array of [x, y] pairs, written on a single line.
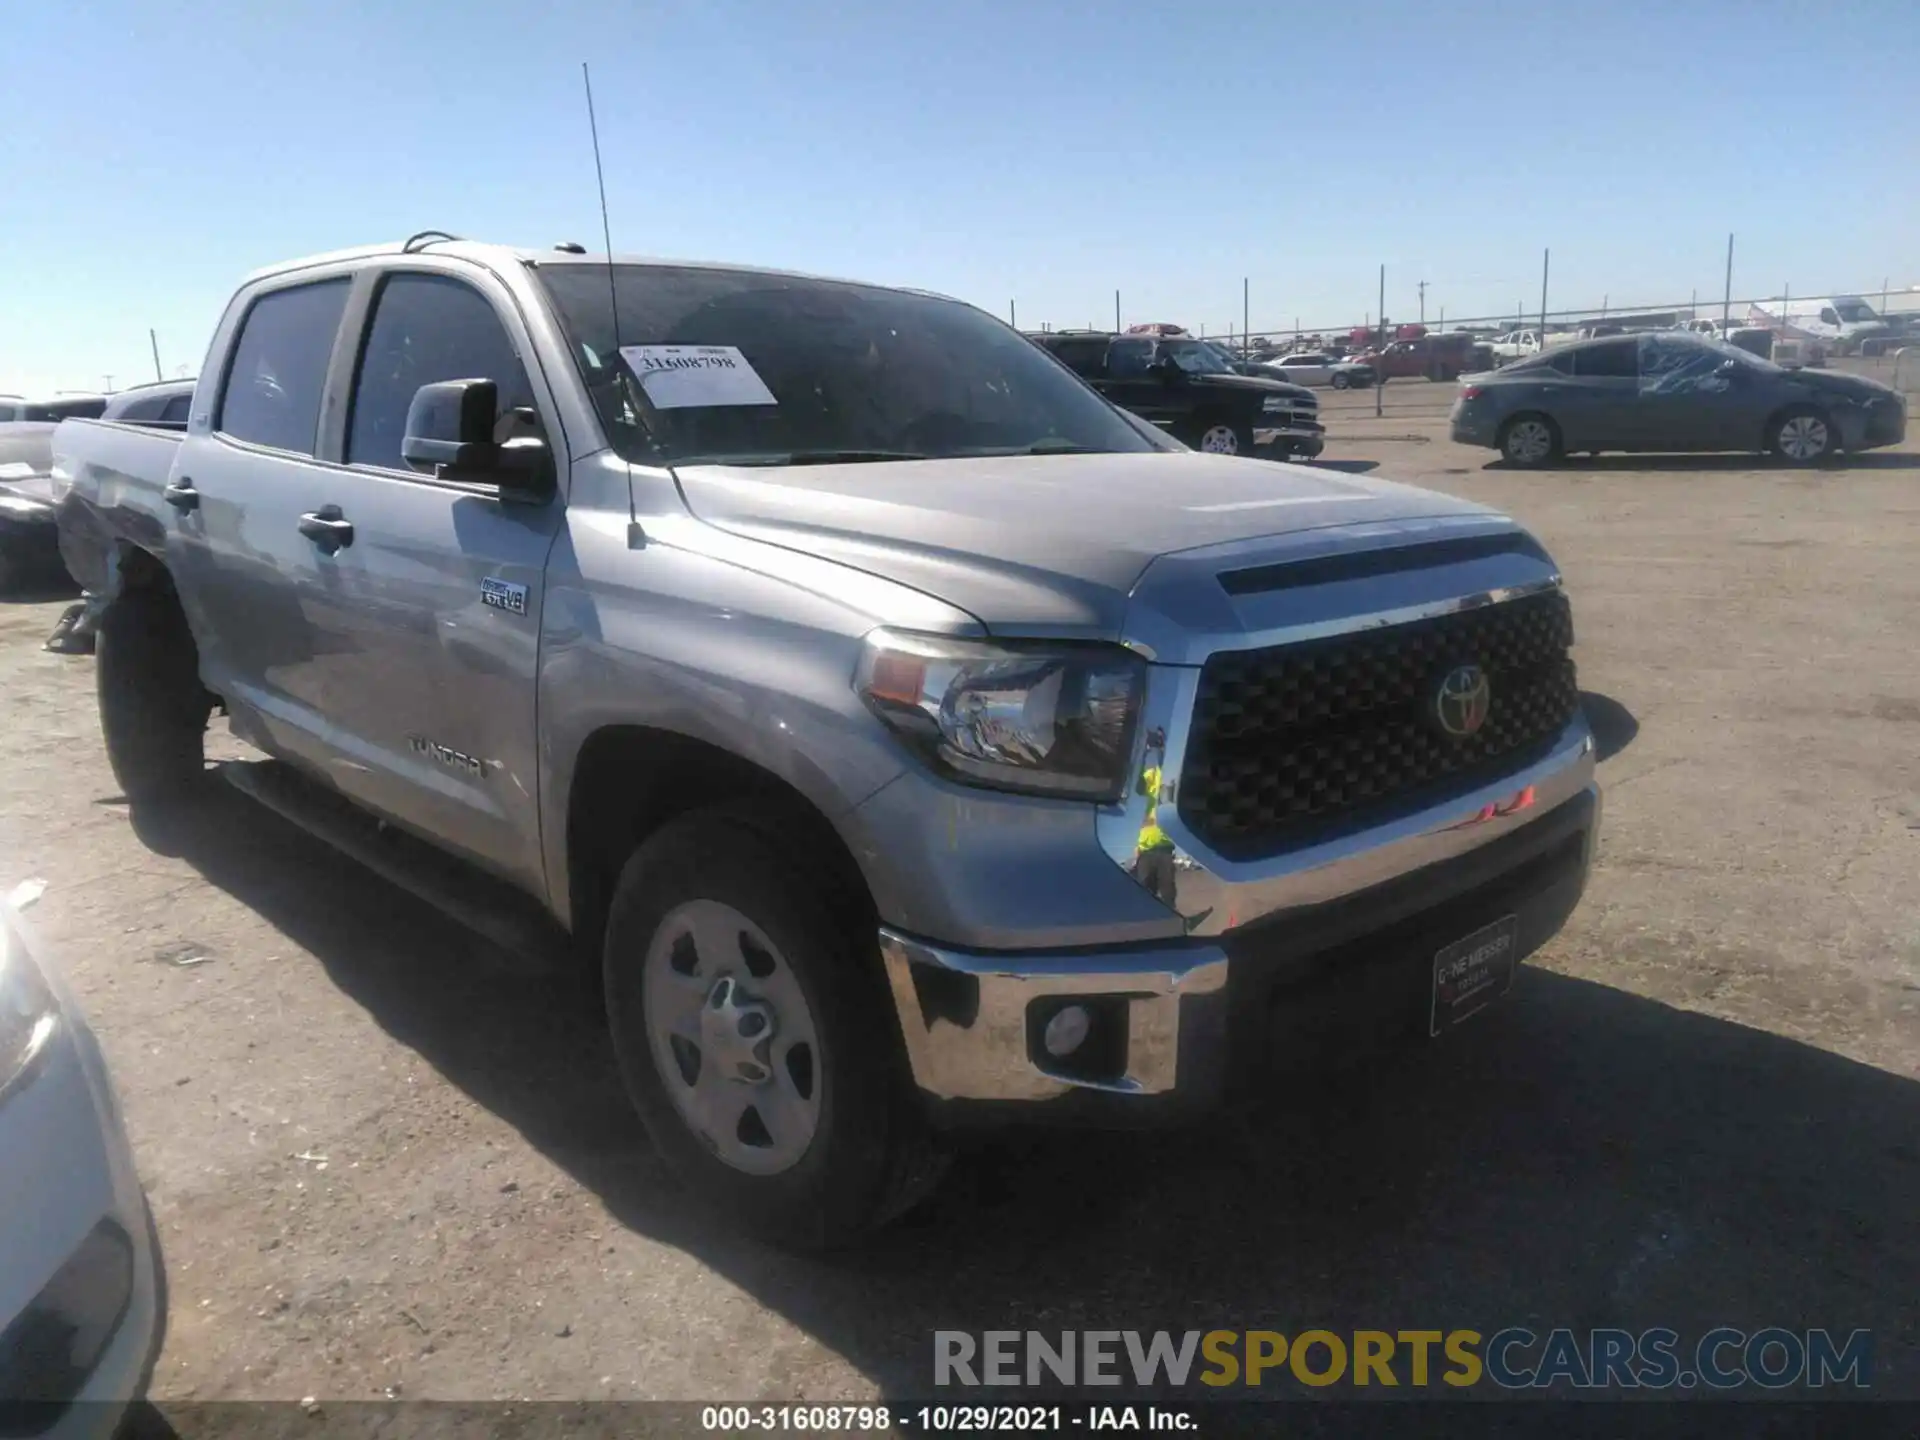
{"points": [[1294, 742]]}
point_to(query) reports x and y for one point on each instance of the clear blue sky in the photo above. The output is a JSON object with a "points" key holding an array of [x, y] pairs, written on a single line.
{"points": [[1044, 150]]}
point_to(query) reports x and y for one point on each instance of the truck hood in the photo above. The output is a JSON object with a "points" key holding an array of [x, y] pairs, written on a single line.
{"points": [[1049, 544], [1254, 384]]}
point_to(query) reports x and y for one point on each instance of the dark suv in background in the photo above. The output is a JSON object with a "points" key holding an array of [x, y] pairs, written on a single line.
{"points": [[1189, 389]]}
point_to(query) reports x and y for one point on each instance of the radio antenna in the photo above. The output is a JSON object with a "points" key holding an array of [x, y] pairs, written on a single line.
{"points": [[606, 226]]}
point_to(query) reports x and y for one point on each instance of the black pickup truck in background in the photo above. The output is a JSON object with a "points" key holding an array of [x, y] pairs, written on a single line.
{"points": [[1188, 389]]}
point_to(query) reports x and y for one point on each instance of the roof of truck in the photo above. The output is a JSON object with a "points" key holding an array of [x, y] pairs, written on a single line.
{"points": [[497, 256]]}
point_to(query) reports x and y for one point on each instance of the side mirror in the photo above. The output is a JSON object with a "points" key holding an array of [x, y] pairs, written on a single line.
{"points": [[450, 432], [1730, 369]]}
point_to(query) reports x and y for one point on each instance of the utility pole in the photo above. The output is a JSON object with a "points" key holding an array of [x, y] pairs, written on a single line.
{"points": [[1726, 305], [1379, 387], [1116, 312], [109, 383], [154, 340], [1245, 323], [1013, 314], [1423, 302], [1443, 317], [1546, 258], [1883, 295]]}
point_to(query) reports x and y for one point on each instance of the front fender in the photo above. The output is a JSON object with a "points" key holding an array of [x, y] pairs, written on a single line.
{"points": [[695, 644]]}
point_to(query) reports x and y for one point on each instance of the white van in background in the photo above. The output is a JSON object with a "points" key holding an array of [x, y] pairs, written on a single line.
{"points": [[1835, 322]]}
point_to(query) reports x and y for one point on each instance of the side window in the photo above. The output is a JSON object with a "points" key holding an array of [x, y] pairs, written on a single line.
{"points": [[1828, 317], [1128, 359], [279, 368], [176, 410], [143, 409], [1560, 361], [429, 328], [1083, 357], [1610, 360]]}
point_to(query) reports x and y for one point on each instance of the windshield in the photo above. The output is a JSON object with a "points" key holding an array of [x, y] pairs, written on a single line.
{"points": [[1196, 357], [743, 368]]}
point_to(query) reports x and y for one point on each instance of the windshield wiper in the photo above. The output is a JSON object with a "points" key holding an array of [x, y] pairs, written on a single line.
{"points": [[1063, 447], [844, 457]]}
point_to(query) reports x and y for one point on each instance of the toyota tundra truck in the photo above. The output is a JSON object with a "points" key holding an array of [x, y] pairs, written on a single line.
{"points": [[898, 735]]}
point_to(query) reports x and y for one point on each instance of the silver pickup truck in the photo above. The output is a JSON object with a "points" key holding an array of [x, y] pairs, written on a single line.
{"points": [[902, 736]]}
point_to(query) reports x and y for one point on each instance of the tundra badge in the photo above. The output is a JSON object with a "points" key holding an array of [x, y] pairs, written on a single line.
{"points": [[503, 595], [449, 757]]}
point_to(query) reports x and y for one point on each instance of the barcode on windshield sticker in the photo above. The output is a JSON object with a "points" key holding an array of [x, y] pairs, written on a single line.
{"points": [[682, 377]]}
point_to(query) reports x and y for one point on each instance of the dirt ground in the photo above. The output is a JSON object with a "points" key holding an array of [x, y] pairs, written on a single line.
{"points": [[383, 1163]]}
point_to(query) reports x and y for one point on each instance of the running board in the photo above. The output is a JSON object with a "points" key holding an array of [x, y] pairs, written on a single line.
{"points": [[491, 908]]}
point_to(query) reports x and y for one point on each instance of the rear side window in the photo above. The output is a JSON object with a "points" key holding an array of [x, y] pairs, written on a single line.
{"points": [[1616, 359], [429, 328], [279, 368], [176, 410]]}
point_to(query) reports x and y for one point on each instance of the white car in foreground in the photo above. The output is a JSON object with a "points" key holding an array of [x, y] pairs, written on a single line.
{"points": [[80, 1291]]}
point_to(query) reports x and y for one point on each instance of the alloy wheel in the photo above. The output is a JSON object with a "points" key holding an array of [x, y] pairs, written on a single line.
{"points": [[1804, 437], [1529, 442]]}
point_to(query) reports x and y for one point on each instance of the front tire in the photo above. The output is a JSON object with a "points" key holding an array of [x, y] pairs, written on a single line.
{"points": [[1341, 382], [1530, 441], [153, 709], [1222, 437], [755, 1034], [1802, 436]]}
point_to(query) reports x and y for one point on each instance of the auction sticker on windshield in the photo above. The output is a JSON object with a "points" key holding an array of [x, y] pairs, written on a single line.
{"points": [[683, 377]]}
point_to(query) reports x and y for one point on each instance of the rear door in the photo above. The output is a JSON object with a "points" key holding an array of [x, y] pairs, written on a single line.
{"points": [[257, 593], [1597, 409], [440, 589]]}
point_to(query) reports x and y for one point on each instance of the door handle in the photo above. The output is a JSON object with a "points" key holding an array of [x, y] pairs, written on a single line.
{"points": [[327, 528], [181, 495]]}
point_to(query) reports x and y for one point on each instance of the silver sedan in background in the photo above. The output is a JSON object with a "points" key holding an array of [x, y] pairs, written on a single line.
{"points": [[1312, 367], [81, 1296]]}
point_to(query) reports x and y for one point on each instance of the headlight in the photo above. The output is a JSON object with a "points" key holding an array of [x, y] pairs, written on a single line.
{"points": [[21, 506], [1050, 719], [59, 480], [27, 1014]]}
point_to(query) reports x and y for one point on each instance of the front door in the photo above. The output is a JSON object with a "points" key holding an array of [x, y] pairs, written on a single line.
{"points": [[1133, 384], [441, 585], [1692, 398]]}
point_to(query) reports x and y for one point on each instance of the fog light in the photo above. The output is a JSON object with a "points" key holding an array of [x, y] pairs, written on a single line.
{"points": [[1067, 1031]]}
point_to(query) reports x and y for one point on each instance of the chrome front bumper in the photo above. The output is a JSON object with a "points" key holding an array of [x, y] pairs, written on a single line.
{"points": [[972, 1021], [968, 1019]]}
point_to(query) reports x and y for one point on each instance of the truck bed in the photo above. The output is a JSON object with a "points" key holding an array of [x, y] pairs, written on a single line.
{"points": [[118, 471]]}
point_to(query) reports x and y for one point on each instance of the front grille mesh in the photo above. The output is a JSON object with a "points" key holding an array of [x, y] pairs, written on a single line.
{"points": [[1289, 741]]}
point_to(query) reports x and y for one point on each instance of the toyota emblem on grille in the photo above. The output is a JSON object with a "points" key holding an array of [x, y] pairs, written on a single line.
{"points": [[1461, 703]]}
